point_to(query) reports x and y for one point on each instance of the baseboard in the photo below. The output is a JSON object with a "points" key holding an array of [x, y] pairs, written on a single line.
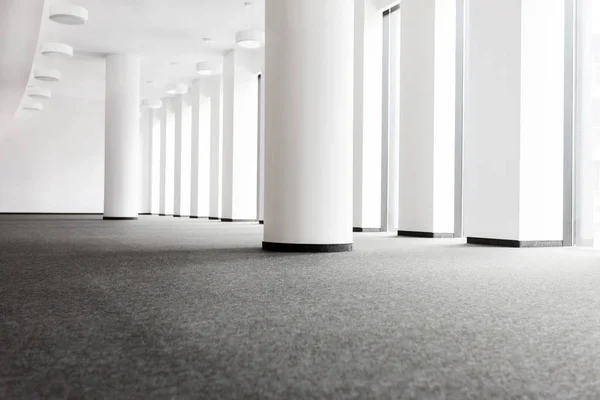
{"points": [[514, 243], [306, 248], [429, 235], [237, 220], [366, 230], [35, 213], [119, 218]]}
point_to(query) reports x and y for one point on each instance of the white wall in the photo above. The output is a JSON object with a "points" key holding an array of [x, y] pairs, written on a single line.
{"points": [[53, 161]]}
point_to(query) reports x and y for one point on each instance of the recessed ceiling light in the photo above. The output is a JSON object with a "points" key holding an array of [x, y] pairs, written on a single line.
{"points": [[177, 89], [47, 75], [208, 68], [57, 50], [39, 93], [33, 106], [175, 63], [250, 38], [68, 14], [152, 104]]}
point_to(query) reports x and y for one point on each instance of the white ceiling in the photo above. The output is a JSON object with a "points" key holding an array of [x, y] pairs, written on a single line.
{"points": [[163, 32], [16, 56]]}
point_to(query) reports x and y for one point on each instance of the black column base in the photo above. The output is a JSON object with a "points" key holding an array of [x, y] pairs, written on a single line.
{"points": [[261, 222], [515, 243], [366, 230], [237, 220], [119, 218], [306, 248], [429, 235], [197, 217], [214, 218]]}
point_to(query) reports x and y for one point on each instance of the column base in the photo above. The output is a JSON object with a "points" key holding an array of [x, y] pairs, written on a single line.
{"points": [[119, 218], [261, 222], [514, 243], [145, 214], [366, 230], [237, 220], [165, 215], [196, 217], [429, 235], [214, 218], [306, 248]]}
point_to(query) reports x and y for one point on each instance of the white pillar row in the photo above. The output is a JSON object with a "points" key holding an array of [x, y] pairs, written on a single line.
{"points": [[514, 113], [122, 137], [427, 118], [167, 154], [200, 147], [214, 88], [183, 153], [368, 74], [309, 128], [241, 68]]}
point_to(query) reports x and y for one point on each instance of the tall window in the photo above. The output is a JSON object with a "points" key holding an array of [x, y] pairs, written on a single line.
{"points": [[587, 125]]}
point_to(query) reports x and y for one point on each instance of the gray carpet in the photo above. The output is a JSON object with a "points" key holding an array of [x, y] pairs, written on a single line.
{"points": [[166, 308]]}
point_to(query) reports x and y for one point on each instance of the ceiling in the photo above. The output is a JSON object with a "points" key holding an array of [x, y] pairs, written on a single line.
{"points": [[16, 56], [167, 34]]}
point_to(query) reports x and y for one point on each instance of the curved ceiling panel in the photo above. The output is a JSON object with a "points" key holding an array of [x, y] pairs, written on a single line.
{"points": [[20, 22]]}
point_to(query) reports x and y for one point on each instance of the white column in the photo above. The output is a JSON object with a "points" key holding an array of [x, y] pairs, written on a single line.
{"points": [[368, 95], [155, 162], [215, 88], [146, 161], [513, 179], [427, 118], [309, 125], [183, 131], [261, 151], [167, 159], [122, 140], [240, 134], [200, 165]]}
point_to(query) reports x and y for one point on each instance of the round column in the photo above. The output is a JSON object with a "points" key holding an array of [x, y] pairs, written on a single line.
{"points": [[122, 137], [309, 125]]}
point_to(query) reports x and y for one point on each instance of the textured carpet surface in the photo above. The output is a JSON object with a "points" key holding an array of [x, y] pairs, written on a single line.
{"points": [[165, 308]]}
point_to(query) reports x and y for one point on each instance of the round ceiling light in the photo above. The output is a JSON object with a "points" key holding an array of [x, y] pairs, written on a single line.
{"points": [[48, 75], [177, 89], [39, 93], [57, 50], [33, 106], [208, 68], [152, 104], [250, 38], [68, 14]]}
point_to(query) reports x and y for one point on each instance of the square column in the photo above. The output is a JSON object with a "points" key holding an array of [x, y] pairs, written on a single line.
{"points": [[200, 148], [167, 157], [214, 90], [368, 75], [427, 118], [514, 121], [183, 153], [240, 134]]}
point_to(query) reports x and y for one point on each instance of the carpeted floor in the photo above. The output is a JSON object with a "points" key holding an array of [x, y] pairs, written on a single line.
{"points": [[165, 308]]}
